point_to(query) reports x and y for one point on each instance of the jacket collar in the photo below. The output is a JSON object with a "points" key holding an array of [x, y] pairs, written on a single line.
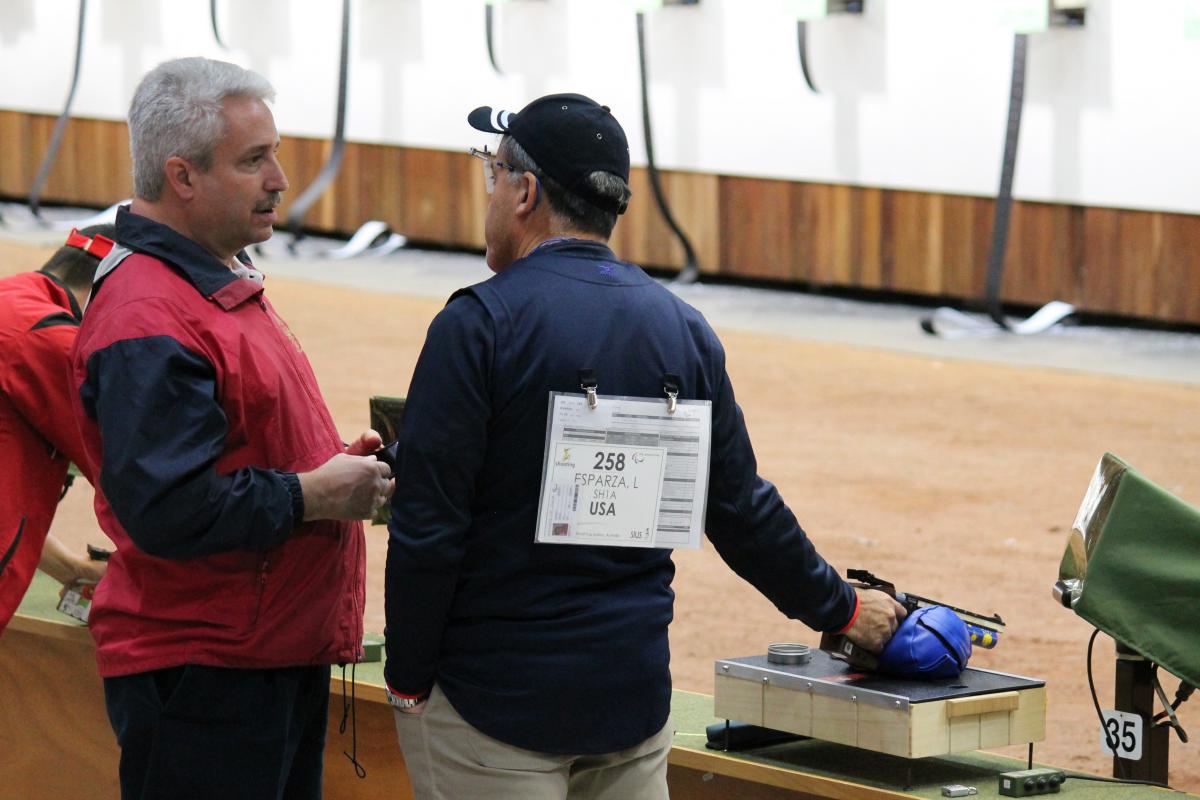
{"points": [[210, 277], [63, 294]]}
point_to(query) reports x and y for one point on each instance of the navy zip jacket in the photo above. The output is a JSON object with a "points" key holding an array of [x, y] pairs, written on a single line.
{"points": [[562, 648]]}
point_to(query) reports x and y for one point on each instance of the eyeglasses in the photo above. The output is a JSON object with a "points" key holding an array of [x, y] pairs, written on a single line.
{"points": [[490, 162]]}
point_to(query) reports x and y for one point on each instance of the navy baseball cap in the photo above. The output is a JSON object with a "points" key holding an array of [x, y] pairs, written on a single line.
{"points": [[569, 136]]}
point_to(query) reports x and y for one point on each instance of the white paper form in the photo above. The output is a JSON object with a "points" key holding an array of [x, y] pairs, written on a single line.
{"points": [[627, 473]]}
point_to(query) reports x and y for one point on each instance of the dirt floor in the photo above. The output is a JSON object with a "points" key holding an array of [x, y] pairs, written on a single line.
{"points": [[956, 480]]}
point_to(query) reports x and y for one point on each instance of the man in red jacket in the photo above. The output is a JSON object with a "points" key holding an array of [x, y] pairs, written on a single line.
{"points": [[39, 317], [234, 505]]}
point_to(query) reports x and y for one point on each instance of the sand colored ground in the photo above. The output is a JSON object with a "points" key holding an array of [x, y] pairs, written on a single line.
{"points": [[957, 480]]}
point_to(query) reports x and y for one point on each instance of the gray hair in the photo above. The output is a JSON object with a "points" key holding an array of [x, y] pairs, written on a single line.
{"points": [[176, 111], [571, 209]]}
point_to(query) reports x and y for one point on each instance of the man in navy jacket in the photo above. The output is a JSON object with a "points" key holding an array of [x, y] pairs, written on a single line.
{"points": [[524, 670]]}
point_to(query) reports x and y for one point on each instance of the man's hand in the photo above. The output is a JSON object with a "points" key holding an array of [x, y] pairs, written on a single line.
{"points": [[347, 486], [416, 710], [878, 617], [366, 444], [65, 566]]}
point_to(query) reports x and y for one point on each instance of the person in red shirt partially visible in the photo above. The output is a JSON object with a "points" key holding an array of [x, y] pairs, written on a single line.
{"points": [[40, 314]]}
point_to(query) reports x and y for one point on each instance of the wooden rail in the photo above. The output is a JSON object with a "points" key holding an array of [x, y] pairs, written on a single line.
{"points": [[1139, 264]]}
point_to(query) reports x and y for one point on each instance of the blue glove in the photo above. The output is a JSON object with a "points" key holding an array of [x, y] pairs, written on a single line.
{"points": [[930, 643]]}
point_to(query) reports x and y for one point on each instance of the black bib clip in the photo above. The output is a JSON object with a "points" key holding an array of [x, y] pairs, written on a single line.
{"points": [[587, 382], [671, 387]]}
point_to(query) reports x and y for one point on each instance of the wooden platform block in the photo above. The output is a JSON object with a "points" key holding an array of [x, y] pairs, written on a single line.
{"points": [[739, 700], [895, 726], [787, 710], [884, 730], [835, 720]]}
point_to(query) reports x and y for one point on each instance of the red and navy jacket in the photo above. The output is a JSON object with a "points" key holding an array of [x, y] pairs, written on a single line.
{"points": [[197, 409], [38, 322]]}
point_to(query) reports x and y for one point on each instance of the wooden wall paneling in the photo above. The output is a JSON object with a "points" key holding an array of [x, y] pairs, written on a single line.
{"points": [[387, 201], [427, 195], [1121, 250], [73, 172], [342, 203], [1179, 269], [12, 151], [1100, 274], [1042, 259], [1141, 240], [964, 244], [762, 228], [468, 202], [695, 201], [301, 159], [1025, 261], [844, 220], [912, 227], [106, 152], [799, 255], [867, 258], [642, 236], [821, 245]]}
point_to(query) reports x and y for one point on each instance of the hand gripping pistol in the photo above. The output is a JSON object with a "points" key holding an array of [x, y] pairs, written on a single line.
{"points": [[984, 630]]}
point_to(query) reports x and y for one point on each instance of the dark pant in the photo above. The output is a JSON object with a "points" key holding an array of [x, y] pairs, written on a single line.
{"points": [[210, 732]]}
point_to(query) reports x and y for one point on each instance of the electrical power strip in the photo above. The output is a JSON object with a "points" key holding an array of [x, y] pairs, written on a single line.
{"points": [[1031, 782]]}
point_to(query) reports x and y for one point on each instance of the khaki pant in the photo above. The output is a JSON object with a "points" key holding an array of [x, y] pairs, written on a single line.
{"points": [[448, 759]]}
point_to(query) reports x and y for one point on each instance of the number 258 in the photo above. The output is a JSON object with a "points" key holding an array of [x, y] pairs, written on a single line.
{"points": [[609, 461]]}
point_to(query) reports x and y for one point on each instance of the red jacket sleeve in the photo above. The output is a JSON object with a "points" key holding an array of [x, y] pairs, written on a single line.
{"points": [[38, 384]]}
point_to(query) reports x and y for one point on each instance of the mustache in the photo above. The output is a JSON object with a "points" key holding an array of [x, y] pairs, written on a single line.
{"points": [[269, 202]]}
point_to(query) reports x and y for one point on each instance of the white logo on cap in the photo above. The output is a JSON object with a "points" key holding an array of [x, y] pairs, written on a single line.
{"points": [[500, 119]]}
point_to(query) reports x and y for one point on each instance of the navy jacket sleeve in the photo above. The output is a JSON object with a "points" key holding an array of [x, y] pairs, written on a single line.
{"points": [[444, 440], [162, 431], [756, 533]]}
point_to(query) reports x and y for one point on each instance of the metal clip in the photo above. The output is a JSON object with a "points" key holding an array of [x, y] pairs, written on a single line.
{"points": [[671, 387], [587, 382]]}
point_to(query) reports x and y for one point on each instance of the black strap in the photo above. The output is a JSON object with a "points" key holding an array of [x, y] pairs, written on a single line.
{"points": [[489, 27], [670, 382], [1003, 212], [802, 41], [350, 710], [54, 320], [587, 379], [60, 127], [329, 169], [691, 269]]}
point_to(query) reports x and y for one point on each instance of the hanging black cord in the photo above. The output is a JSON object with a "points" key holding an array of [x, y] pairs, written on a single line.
{"points": [[802, 41], [691, 270], [330, 169], [1110, 738], [489, 27], [1003, 211], [350, 711], [212, 13], [60, 127]]}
